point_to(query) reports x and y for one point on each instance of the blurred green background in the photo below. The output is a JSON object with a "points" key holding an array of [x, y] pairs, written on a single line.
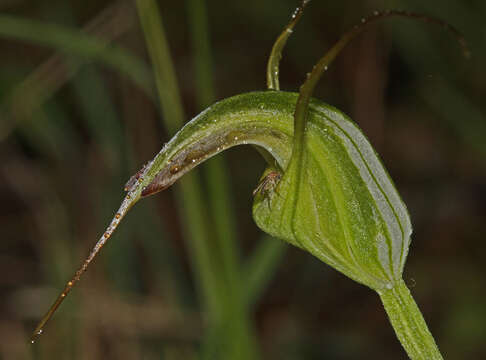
{"points": [[88, 94]]}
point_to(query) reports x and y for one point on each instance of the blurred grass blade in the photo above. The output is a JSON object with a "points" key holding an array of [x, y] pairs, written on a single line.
{"points": [[461, 114], [222, 211], [262, 266], [75, 42], [211, 265], [216, 172], [191, 200], [201, 47], [165, 78], [55, 140], [101, 117], [47, 78]]}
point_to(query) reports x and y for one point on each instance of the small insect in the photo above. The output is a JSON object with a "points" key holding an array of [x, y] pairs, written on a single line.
{"points": [[267, 184]]}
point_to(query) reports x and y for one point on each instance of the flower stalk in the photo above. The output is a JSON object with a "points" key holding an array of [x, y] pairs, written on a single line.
{"points": [[408, 323]]}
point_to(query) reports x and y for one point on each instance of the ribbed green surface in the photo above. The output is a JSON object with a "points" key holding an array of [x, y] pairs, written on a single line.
{"points": [[409, 324], [348, 212]]}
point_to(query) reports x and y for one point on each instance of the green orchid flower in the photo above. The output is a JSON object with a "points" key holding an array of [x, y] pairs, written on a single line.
{"points": [[325, 189]]}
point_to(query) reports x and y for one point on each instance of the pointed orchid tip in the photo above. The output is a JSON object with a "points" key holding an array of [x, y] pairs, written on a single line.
{"points": [[35, 336]]}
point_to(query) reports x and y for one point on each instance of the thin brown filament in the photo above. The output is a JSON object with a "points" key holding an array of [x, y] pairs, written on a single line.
{"points": [[125, 206]]}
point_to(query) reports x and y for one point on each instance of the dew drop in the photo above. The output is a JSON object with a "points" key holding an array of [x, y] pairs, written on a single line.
{"points": [[234, 136], [363, 20], [106, 235], [325, 68], [376, 13], [174, 169], [194, 156], [63, 295], [40, 332], [70, 283], [117, 216]]}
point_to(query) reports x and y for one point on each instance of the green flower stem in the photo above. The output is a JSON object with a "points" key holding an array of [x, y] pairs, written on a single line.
{"points": [[409, 324]]}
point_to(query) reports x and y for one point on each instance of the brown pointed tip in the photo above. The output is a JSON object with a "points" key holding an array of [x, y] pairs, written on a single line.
{"points": [[35, 335]]}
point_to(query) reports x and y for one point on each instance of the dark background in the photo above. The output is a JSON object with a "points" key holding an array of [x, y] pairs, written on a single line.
{"points": [[67, 150]]}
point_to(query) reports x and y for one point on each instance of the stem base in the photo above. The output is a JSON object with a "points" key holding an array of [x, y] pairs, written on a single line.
{"points": [[408, 323]]}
